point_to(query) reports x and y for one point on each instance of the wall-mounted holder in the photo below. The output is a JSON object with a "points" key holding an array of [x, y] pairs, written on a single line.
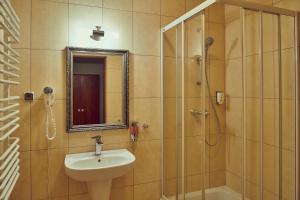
{"points": [[134, 129], [220, 97], [28, 96]]}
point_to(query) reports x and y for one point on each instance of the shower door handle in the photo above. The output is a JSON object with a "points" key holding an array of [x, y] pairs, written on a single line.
{"points": [[198, 112]]}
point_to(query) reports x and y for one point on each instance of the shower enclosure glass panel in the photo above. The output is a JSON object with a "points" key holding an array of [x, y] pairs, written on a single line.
{"points": [[172, 117], [195, 166], [247, 147]]}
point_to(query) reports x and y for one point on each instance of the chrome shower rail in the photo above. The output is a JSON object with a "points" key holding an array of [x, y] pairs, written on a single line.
{"points": [[241, 3], [9, 107]]}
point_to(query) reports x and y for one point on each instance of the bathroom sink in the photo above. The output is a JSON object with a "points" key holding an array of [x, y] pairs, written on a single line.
{"points": [[89, 167], [98, 171]]}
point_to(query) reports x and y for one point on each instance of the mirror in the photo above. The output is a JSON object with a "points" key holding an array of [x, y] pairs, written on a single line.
{"points": [[97, 89]]}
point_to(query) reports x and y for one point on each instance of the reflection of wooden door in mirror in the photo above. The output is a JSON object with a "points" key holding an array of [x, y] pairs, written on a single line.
{"points": [[86, 108]]}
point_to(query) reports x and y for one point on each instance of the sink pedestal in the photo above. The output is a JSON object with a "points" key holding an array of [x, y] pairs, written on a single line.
{"points": [[98, 172], [99, 190]]}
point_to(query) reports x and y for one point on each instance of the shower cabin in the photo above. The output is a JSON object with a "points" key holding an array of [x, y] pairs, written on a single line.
{"points": [[229, 75]]}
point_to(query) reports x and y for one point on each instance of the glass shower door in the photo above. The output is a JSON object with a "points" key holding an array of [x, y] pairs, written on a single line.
{"points": [[172, 113]]}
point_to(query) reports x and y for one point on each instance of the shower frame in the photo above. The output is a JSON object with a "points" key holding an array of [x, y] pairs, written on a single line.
{"points": [[244, 6]]}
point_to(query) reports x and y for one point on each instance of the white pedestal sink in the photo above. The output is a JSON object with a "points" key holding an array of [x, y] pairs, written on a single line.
{"points": [[98, 171]]}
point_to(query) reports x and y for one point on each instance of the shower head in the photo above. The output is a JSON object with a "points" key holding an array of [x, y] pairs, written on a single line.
{"points": [[208, 42]]}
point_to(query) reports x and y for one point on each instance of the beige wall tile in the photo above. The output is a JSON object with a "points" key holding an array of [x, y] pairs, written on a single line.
{"points": [[193, 151], [269, 121], [253, 162], [253, 76], [147, 6], [234, 116], [216, 13], [39, 174], [269, 75], [82, 139], [125, 193], [48, 68], [97, 3], [253, 119], [170, 158], [288, 169], [234, 181], [118, 4], [269, 177], [214, 126], [38, 138], [217, 159], [80, 197], [252, 32], [287, 4], [146, 36], [217, 179], [170, 117], [268, 32], [123, 181], [170, 187], [233, 78], [147, 111], [170, 38], [288, 74], [170, 76], [58, 1], [118, 29], [252, 190], [192, 3], [287, 36], [216, 75], [82, 20], [77, 188], [146, 76], [234, 157], [147, 170], [232, 13], [23, 10], [217, 50], [233, 42], [50, 32], [58, 179], [173, 8], [149, 191], [116, 136], [266, 2], [24, 79], [288, 124], [195, 182]]}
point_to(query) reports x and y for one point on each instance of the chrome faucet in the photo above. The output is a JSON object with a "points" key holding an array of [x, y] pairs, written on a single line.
{"points": [[98, 144]]}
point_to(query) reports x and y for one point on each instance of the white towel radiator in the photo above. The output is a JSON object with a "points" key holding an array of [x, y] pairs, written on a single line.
{"points": [[9, 106]]}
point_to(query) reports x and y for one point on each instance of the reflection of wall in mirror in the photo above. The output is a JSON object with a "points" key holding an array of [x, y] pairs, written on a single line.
{"points": [[114, 89]]}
